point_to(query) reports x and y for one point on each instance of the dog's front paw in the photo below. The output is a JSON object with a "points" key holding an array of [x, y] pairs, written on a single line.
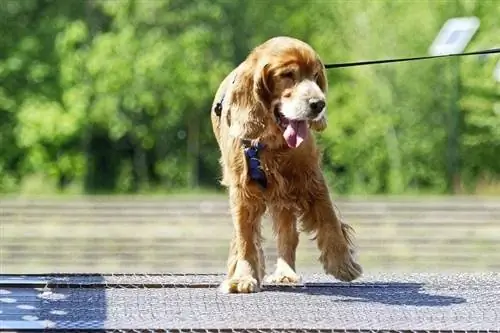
{"points": [[244, 284], [345, 268], [284, 277]]}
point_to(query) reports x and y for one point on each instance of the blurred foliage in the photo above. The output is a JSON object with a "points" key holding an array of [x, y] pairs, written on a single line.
{"points": [[114, 96]]}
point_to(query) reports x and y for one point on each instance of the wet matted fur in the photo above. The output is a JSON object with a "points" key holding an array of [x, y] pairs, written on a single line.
{"points": [[275, 97]]}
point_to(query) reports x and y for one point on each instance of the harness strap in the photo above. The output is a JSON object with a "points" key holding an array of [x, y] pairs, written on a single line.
{"points": [[255, 170], [219, 104]]}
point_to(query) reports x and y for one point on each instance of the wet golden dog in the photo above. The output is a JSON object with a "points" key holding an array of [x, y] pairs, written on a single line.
{"points": [[268, 105]]}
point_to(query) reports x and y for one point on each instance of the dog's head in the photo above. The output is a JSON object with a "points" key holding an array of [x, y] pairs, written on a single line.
{"points": [[289, 81]]}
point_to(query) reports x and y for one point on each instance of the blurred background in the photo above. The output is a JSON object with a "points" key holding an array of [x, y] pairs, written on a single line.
{"points": [[108, 162]]}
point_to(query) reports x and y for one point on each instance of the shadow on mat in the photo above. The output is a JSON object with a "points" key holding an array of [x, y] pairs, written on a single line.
{"points": [[411, 294]]}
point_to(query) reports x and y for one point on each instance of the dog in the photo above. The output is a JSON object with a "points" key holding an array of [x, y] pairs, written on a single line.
{"points": [[262, 117]]}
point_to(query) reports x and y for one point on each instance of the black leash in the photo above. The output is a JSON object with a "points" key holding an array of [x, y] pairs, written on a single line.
{"points": [[385, 61]]}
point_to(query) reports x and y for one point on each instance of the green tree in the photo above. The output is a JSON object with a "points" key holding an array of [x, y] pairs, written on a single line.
{"points": [[114, 96]]}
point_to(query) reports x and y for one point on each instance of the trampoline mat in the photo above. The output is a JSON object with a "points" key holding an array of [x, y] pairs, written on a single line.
{"points": [[192, 302]]}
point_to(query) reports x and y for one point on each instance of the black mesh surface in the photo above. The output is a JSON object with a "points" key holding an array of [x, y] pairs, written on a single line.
{"points": [[192, 302]]}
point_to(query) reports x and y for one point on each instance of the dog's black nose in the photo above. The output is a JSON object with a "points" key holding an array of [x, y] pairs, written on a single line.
{"points": [[316, 105]]}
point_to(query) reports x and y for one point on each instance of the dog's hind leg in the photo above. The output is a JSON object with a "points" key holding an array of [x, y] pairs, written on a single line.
{"points": [[287, 240], [334, 237], [246, 262]]}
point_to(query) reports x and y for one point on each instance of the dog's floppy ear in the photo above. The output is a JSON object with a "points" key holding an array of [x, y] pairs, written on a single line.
{"points": [[321, 124], [321, 79], [261, 89], [250, 98]]}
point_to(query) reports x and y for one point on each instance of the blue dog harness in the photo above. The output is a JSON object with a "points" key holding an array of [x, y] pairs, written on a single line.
{"points": [[251, 151], [253, 161]]}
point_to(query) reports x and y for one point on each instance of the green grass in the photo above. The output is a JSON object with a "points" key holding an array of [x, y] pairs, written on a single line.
{"points": [[42, 186]]}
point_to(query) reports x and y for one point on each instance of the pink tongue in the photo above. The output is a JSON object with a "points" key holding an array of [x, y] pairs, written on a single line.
{"points": [[295, 133]]}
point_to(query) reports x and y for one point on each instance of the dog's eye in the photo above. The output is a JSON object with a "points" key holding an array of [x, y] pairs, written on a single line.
{"points": [[287, 74]]}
